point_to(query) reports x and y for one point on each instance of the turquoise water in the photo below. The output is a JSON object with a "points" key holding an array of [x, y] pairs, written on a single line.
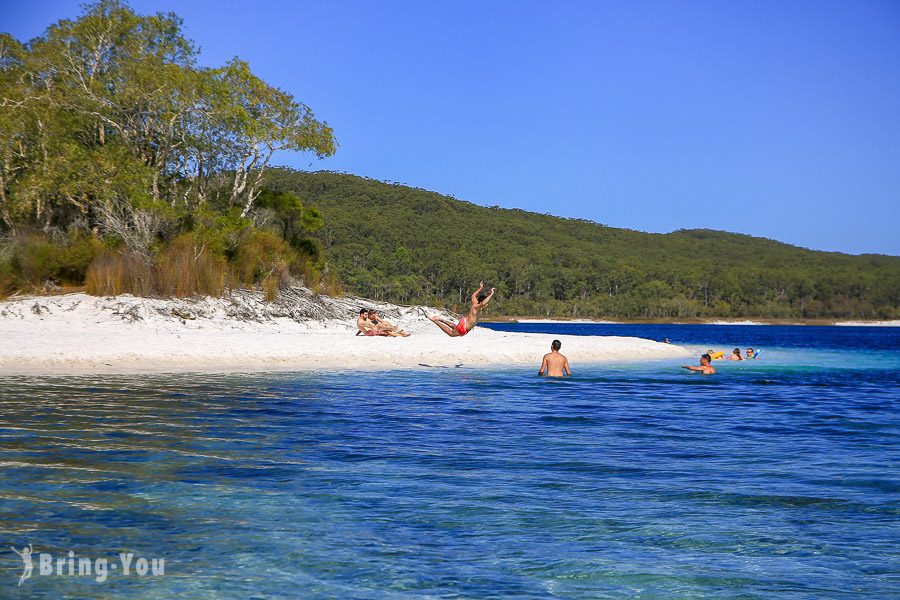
{"points": [[777, 477]]}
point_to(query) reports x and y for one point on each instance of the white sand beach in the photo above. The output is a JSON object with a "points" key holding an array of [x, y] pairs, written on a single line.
{"points": [[868, 323], [77, 333]]}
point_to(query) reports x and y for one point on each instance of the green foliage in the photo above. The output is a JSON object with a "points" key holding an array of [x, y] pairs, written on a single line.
{"points": [[109, 114], [285, 213], [110, 129], [410, 245], [36, 259]]}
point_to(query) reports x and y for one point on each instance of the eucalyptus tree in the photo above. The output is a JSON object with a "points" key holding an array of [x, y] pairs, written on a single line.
{"points": [[109, 120]]}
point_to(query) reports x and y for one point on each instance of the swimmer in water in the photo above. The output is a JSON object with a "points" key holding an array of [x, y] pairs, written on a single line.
{"points": [[554, 363], [480, 299], [705, 367], [735, 355], [750, 354]]}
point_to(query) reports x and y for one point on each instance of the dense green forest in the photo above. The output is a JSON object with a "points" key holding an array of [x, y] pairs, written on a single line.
{"points": [[411, 245], [127, 167]]}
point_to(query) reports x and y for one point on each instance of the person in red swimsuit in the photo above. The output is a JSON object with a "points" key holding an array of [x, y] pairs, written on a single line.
{"points": [[480, 299]]}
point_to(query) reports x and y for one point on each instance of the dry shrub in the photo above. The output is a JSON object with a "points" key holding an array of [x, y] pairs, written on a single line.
{"points": [[311, 276], [270, 286], [7, 278], [332, 285], [262, 258], [258, 255], [112, 273], [187, 268]]}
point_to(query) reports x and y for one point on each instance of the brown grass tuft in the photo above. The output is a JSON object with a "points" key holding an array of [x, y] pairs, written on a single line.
{"points": [[112, 273], [186, 268]]}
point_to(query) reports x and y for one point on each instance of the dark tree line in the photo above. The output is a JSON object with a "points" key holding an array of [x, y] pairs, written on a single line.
{"points": [[410, 245]]}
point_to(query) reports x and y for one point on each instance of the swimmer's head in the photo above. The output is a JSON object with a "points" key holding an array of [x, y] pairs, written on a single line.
{"points": [[481, 296], [706, 357], [363, 311], [737, 350], [556, 345]]}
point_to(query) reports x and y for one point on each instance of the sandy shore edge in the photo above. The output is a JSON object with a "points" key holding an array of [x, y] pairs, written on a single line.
{"points": [[76, 334]]}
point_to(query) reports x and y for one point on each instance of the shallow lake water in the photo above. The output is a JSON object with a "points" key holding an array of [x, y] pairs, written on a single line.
{"points": [[775, 477]]}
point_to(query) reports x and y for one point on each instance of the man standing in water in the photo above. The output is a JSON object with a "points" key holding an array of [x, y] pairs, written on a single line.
{"points": [[705, 367], [554, 363], [480, 299]]}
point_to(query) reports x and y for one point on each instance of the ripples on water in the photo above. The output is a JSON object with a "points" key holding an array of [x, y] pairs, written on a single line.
{"points": [[766, 480]]}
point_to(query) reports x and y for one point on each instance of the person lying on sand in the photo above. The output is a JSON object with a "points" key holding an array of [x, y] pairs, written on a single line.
{"points": [[366, 327], [369, 327], [480, 299], [382, 324], [705, 367], [735, 355], [555, 363]]}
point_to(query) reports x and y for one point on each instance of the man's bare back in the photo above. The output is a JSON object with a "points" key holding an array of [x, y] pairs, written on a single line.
{"points": [[554, 363], [705, 367]]}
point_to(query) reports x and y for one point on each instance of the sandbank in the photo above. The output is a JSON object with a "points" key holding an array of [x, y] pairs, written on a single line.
{"points": [[82, 334]]}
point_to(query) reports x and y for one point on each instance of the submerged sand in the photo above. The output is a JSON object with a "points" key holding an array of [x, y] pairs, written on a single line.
{"points": [[79, 334]]}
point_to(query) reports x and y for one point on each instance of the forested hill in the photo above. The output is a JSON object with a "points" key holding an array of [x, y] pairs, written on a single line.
{"points": [[405, 244]]}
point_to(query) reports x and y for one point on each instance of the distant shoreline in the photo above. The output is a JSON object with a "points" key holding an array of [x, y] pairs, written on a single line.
{"points": [[724, 322], [531, 319]]}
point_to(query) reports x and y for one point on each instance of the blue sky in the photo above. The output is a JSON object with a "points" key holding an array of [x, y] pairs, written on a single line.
{"points": [[777, 119]]}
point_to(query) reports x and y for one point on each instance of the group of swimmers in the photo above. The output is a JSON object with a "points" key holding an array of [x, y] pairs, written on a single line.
{"points": [[706, 359], [735, 355]]}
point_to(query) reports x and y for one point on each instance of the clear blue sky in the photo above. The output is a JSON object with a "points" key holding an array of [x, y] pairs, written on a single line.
{"points": [[778, 119]]}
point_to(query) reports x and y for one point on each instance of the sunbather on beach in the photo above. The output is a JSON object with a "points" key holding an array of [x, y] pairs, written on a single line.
{"points": [[366, 327], [554, 363], [369, 327], [362, 322], [705, 367], [386, 326], [382, 324], [480, 299]]}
